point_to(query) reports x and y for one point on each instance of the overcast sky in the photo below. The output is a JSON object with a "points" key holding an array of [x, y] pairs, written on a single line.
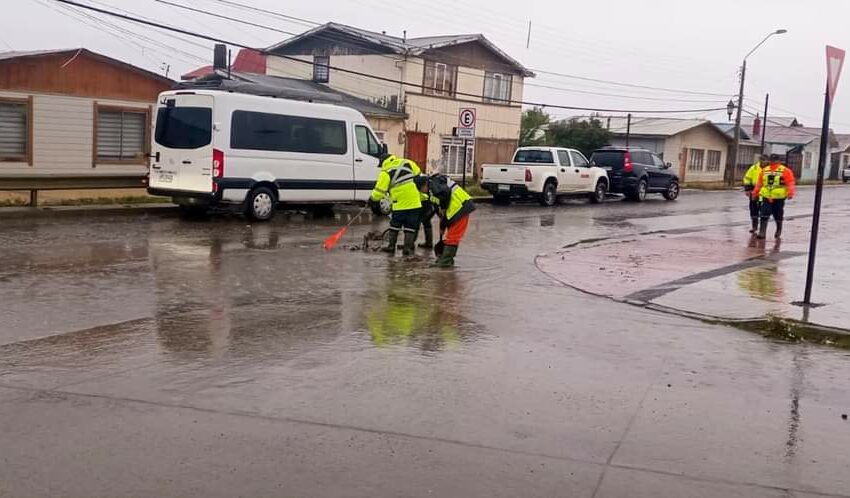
{"points": [[683, 45]]}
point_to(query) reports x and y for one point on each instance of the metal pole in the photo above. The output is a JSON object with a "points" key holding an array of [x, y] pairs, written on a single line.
{"points": [[764, 125], [528, 41], [813, 242], [229, 54], [737, 144], [463, 182], [628, 128]]}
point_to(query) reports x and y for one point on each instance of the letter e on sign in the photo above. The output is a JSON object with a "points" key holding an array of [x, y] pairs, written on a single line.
{"points": [[834, 63]]}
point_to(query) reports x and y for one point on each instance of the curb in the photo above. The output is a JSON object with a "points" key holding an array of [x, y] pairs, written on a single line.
{"points": [[94, 210]]}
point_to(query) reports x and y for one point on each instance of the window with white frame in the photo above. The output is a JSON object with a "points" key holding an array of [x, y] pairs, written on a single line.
{"points": [[845, 160], [713, 161], [439, 79], [452, 158], [696, 158], [321, 68], [121, 135], [497, 87], [807, 160], [15, 116]]}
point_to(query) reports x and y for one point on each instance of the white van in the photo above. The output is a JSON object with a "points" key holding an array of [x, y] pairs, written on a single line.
{"points": [[220, 148]]}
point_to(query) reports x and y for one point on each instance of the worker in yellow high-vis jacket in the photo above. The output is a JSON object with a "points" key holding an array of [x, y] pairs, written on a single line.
{"points": [[396, 179], [751, 177]]}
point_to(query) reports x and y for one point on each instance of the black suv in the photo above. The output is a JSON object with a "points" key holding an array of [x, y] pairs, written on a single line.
{"points": [[636, 172]]}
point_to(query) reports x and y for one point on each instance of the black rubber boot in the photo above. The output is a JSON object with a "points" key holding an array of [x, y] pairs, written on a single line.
{"points": [[429, 236], [755, 227], [447, 259], [409, 243], [778, 234], [763, 228], [392, 239]]}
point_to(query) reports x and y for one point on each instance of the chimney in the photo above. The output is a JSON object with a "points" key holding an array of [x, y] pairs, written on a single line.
{"points": [[757, 126], [219, 57]]}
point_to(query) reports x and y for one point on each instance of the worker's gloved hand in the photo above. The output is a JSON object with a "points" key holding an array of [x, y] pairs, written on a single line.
{"points": [[372, 203]]}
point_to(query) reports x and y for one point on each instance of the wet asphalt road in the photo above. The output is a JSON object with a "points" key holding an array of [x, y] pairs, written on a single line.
{"points": [[153, 356]]}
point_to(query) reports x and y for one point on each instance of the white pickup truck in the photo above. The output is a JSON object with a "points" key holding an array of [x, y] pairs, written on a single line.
{"points": [[545, 173]]}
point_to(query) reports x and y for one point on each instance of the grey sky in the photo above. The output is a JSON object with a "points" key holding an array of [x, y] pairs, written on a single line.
{"points": [[681, 44]]}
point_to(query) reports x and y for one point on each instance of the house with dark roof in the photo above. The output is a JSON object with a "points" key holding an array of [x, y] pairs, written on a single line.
{"points": [[74, 118], [429, 79], [696, 148]]}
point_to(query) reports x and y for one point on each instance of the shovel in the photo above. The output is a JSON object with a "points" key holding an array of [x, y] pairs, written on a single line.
{"points": [[331, 241]]}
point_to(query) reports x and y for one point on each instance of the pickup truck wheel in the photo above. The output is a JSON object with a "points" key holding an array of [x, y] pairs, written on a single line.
{"points": [[672, 192], [639, 192], [599, 192], [260, 204], [502, 200], [550, 194]]}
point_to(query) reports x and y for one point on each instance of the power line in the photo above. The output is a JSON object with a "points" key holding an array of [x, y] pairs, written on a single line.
{"points": [[379, 78], [222, 16], [330, 37]]}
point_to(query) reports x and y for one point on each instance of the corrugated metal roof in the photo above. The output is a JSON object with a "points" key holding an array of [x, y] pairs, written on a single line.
{"points": [[289, 88], [791, 135], [656, 127], [411, 46], [14, 54]]}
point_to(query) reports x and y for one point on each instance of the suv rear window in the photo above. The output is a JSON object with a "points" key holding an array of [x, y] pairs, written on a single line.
{"points": [[534, 157], [183, 127], [613, 159]]}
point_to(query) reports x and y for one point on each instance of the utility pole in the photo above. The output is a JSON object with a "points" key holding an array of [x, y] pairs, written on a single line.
{"points": [[730, 177], [764, 125], [628, 128], [528, 41]]}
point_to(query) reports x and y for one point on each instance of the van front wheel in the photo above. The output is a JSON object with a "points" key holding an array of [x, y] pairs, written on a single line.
{"points": [[260, 204]]}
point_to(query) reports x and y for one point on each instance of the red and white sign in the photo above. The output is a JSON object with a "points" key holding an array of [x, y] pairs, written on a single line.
{"points": [[466, 122], [834, 63]]}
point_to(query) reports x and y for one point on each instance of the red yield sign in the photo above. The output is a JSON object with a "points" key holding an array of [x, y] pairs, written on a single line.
{"points": [[834, 63]]}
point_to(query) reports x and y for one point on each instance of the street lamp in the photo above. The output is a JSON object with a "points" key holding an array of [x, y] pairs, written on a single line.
{"points": [[736, 145]]}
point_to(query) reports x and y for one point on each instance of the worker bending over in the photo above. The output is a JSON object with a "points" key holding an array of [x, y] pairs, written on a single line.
{"points": [[775, 184], [396, 179], [454, 206]]}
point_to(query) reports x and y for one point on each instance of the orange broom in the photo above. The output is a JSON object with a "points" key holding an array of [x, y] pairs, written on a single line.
{"points": [[331, 241]]}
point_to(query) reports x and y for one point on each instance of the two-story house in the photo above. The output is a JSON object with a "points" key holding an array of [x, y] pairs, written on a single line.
{"points": [[428, 79]]}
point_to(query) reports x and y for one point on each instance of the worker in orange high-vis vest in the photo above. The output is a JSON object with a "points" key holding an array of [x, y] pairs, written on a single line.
{"points": [[775, 184]]}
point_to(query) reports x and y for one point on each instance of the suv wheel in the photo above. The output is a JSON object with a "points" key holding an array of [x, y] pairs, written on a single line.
{"points": [[672, 192], [599, 192], [550, 194], [260, 204], [639, 192]]}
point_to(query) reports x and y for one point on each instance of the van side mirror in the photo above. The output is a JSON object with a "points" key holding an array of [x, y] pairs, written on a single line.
{"points": [[384, 149]]}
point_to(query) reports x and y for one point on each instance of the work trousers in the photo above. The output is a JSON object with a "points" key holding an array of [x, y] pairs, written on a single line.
{"points": [[775, 208], [755, 208], [456, 231], [407, 220]]}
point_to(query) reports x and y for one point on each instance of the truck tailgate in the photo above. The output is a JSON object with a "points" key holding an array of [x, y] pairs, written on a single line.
{"points": [[503, 174]]}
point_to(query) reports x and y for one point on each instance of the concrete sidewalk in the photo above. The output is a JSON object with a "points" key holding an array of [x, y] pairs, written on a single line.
{"points": [[718, 272]]}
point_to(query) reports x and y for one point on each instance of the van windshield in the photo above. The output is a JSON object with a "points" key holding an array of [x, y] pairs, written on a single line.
{"points": [[184, 127]]}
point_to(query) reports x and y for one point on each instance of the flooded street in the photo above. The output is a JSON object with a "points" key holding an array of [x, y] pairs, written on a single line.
{"points": [[155, 356]]}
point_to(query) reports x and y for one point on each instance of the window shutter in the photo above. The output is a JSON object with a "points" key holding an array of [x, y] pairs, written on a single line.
{"points": [[109, 135], [120, 135], [13, 130]]}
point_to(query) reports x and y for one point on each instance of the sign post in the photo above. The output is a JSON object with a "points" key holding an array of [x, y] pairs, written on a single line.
{"points": [[465, 130], [834, 63]]}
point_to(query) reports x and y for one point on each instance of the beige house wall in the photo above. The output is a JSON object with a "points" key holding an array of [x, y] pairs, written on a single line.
{"points": [[393, 131], [705, 138], [63, 136]]}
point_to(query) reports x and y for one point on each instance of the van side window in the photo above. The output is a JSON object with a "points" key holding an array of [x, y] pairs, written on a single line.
{"points": [[279, 132], [366, 142]]}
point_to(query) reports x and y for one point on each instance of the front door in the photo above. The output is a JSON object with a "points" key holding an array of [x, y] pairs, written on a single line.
{"points": [[567, 177], [367, 149], [581, 164], [416, 148]]}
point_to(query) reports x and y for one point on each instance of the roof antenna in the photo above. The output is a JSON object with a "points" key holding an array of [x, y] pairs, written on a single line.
{"points": [[528, 41]]}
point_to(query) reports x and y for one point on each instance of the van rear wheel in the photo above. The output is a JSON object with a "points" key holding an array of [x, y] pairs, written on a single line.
{"points": [[260, 204]]}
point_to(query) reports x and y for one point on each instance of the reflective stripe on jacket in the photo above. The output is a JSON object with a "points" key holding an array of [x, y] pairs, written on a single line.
{"points": [[776, 181], [396, 179], [455, 202]]}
